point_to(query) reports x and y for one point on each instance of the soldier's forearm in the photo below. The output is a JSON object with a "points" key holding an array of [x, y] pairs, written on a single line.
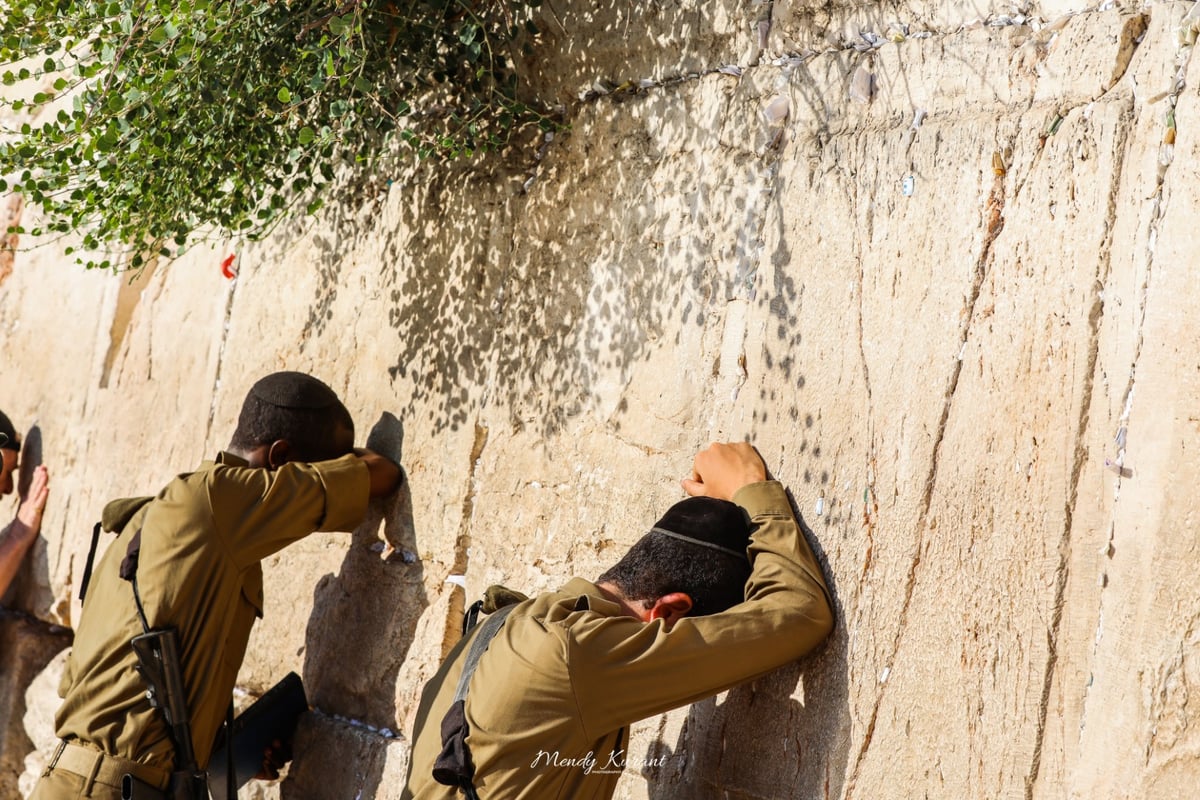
{"points": [[15, 540], [385, 473]]}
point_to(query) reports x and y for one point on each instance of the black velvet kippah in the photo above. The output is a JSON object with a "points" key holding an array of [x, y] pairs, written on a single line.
{"points": [[706, 519], [294, 390], [8, 434]]}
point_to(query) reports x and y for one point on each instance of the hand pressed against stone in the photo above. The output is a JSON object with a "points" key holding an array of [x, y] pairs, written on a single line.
{"points": [[722, 469], [17, 537], [33, 502]]}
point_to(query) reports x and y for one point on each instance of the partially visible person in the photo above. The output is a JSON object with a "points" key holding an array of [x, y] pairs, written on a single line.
{"points": [[10, 452], [194, 554], [16, 538], [722, 589]]}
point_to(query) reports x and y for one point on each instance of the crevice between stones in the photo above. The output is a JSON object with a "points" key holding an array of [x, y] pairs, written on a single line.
{"points": [[212, 409], [1063, 569], [993, 224], [462, 542]]}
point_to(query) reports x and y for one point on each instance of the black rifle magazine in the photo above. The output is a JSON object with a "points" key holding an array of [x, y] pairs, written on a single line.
{"points": [[272, 717]]}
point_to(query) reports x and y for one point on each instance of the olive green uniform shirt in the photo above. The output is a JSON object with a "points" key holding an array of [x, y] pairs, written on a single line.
{"points": [[551, 698], [203, 537]]}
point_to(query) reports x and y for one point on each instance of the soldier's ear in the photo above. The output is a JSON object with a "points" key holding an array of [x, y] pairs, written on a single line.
{"points": [[670, 607], [279, 453]]}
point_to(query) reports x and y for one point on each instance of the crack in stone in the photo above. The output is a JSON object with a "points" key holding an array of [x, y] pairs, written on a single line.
{"points": [[212, 409], [1063, 570], [1165, 161], [993, 220], [462, 542]]}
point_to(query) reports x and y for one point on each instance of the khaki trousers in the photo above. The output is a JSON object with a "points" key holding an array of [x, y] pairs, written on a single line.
{"points": [[81, 772], [59, 784]]}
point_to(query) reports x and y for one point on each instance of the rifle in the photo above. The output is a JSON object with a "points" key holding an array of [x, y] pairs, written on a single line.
{"points": [[157, 653]]}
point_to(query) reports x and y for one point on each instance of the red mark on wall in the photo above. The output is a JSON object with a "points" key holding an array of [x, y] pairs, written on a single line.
{"points": [[227, 266]]}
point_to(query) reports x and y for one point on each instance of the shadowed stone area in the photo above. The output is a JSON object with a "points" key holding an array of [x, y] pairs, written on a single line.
{"points": [[27, 645]]}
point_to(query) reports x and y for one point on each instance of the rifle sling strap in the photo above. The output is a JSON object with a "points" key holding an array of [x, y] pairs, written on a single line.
{"points": [[453, 766]]}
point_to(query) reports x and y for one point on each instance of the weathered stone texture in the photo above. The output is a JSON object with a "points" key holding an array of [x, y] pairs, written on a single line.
{"points": [[27, 646], [942, 282]]}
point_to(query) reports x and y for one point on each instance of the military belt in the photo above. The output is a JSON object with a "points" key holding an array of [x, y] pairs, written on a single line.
{"points": [[91, 764]]}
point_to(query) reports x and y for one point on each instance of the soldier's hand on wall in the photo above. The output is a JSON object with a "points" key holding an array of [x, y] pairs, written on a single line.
{"points": [[33, 501], [385, 473], [722, 469]]}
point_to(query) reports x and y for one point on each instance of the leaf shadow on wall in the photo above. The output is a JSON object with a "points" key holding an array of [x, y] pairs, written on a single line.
{"points": [[362, 625], [498, 297], [514, 314], [786, 734]]}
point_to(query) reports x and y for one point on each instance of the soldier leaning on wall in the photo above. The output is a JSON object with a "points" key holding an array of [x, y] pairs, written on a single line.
{"points": [[16, 538], [290, 469], [550, 689]]}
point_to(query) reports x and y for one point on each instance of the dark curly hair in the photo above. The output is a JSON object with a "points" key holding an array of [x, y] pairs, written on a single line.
{"points": [[297, 408], [698, 548]]}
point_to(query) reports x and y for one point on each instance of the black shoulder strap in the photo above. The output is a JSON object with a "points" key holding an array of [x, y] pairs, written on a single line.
{"points": [[116, 515], [87, 568], [453, 766], [129, 567]]}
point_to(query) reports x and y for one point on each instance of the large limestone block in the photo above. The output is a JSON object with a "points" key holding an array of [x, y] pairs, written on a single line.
{"points": [[27, 645], [48, 381], [371, 765]]}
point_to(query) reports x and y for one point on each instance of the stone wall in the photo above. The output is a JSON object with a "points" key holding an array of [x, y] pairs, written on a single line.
{"points": [[932, 258]]}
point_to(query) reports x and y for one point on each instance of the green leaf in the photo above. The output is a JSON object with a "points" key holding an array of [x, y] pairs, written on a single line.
{"points": [[167, 129]]}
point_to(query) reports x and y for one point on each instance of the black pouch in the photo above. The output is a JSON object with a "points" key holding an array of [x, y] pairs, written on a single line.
{"points": [[453, 766]]}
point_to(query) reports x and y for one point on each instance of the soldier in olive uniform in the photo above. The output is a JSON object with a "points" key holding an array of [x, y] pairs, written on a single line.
{"points": [[547, 711], [290, 470]]}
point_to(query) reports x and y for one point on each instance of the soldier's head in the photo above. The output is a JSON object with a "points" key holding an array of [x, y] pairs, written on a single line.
{"points": [[10, 451], [291, 416], [693, 562]]}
